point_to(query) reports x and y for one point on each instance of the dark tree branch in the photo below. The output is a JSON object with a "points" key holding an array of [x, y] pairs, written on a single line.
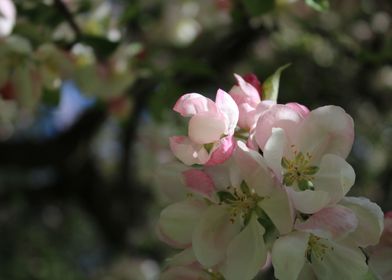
{"points": [[53, 151], [68, 17]]}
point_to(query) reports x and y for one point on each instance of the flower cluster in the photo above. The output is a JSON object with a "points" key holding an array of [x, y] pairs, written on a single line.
{"points": [[267, 183]]}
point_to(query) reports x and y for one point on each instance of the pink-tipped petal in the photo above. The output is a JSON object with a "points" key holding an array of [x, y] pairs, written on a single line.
{"points": [[246, 117], [370, 218], [326, 130], [187, 151], [199, 182], [277, 116], [229, 109], [333, 222], [193, 103], [248, 90], [223, 151], [206, 128], [299, 108]]}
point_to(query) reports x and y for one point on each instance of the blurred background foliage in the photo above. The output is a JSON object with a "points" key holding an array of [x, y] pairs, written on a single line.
{"points": [[86, 91]]}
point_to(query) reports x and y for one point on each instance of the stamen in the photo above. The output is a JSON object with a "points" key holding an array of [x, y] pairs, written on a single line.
{"points": [[316, 248], [298, 170]]}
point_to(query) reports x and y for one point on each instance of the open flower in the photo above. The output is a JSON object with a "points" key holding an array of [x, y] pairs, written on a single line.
{"points": [[326, 244], [210, 129], [231, 228], [307, 153]]}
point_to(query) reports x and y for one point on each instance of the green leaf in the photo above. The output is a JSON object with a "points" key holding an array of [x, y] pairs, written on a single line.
{"points": [[318, 5], [271, 84], [258, 7]]}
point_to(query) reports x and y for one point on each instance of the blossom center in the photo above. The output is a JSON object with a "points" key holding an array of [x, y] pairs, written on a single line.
{"points": [[316, 248], [241, 201], [299, 170]]}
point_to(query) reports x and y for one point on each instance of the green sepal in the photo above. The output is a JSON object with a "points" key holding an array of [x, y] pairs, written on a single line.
{"points": [[245, 189], [225, 196], [271, 232]]}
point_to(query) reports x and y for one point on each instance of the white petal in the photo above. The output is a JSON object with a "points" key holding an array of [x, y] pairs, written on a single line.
{"points": [[246, 253], [288, 255], [344, 261], [308, 201], [206, 128], [277, 116], [187, 151], [228, 107], [330, 222], [335, 176], [274, 149], [370, 217], [213, 235], [253, 169], [327, 129], [178, 220], [278, 209]]}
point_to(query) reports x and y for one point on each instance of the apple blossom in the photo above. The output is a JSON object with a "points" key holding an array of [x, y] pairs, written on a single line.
{"points": [[326, 244], [287, 201], [210, 129], [307, 153]]}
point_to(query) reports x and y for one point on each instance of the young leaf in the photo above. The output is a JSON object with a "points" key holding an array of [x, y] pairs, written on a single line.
{"points": [[271, 84], [318, 5]]}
